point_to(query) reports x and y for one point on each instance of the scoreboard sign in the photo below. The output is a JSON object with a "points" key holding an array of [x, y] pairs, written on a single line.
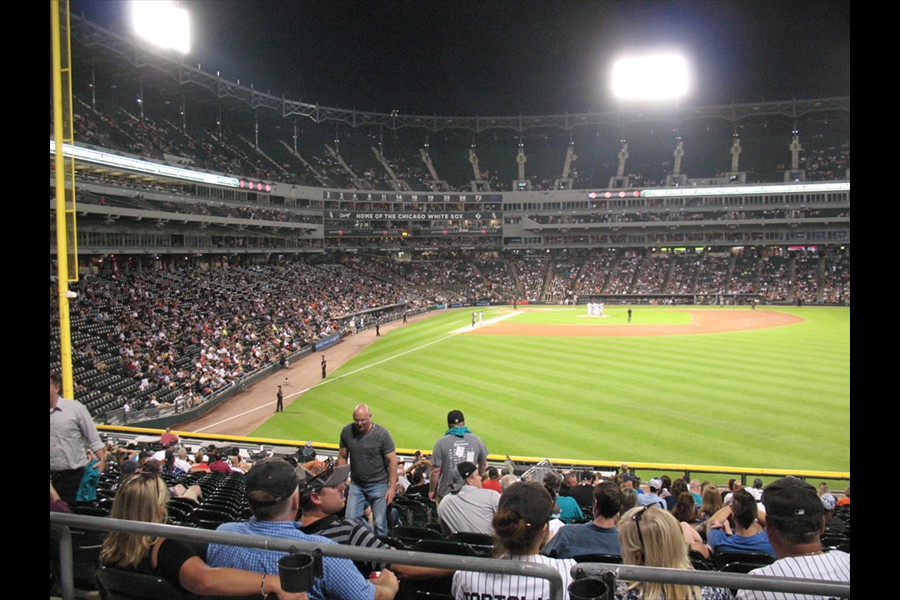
{"points": [[409, 197], [410, 216]]}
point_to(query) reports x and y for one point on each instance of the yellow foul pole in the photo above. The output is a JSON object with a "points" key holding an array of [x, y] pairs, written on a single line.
{"points": [[66, 250]]}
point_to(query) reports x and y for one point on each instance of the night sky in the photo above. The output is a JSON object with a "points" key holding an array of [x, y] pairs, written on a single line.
{"points": [[511, 57]]}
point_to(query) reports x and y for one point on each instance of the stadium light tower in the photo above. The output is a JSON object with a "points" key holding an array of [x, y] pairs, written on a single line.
{"points": [[162, 23], [651, 77]]}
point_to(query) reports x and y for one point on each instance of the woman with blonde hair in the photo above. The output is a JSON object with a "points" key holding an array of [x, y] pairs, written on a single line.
{"points": [[143, 497], [710, 501], [652, 537], [629, 499]]}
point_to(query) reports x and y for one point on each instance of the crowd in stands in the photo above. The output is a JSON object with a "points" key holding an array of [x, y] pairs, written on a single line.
{"points": [[531, 273], [182, 333], [563, 282], [188, 332], [572, 516]]}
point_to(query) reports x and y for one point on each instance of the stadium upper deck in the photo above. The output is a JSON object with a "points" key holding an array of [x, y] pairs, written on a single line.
{"points": [[258, 179]]}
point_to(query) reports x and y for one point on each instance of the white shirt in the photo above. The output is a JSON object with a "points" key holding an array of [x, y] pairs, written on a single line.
{"points": [[469, 585], [827, 566]]}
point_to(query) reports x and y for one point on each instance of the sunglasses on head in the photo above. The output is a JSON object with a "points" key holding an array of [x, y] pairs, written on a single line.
{"points": [[636, 517], [318, 482]]}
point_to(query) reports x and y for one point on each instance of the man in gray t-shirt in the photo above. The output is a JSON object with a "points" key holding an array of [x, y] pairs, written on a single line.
{"points": [[458, 445], [373, 467]]}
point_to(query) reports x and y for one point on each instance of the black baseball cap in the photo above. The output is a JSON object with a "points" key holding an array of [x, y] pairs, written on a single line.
{"points": [[793, 505], [455, 417], [464, 470], [270, 481]]}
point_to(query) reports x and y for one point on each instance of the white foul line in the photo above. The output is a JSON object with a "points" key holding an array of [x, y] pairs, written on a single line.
{"points": [[269, 404]]}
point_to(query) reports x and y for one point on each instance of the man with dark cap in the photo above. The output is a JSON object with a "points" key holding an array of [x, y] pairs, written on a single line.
{"points": [[457, 445], [271, 487], [795, 519], [468, 507], [322, 500]]}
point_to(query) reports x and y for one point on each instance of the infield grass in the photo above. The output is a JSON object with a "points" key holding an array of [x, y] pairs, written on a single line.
{"points": [[767, 398]]}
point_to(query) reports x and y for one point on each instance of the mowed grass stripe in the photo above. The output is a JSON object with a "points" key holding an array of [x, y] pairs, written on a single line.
{"points": [[738, 398]]}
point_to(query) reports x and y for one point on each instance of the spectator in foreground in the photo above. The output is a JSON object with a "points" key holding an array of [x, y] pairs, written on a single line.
{"points": [[492, 480], [569, 511], [468, 507], [599, 536], [749, 534], [795, 520], [322, 500], [651, 537], [271, 488], [652, 497], [629, 499], [521, 526], [143, 497]]}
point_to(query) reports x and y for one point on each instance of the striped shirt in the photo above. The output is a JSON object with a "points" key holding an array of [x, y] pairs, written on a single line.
{"points": [[350, 532], [470, 585], [827, 566]]}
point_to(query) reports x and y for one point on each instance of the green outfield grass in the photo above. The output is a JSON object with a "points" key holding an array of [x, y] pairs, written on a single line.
{"points": [[768, 398]]}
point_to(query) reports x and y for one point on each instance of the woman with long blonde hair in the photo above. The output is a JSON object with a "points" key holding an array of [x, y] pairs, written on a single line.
{"points": [[652, 537], [143, 497]]}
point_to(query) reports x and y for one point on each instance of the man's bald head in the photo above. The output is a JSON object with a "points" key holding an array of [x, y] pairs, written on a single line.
{"points": [[362, 418]]}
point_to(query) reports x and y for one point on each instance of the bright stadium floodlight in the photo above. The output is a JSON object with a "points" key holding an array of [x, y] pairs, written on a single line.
{"points": [[652, 77], [162, 23]]}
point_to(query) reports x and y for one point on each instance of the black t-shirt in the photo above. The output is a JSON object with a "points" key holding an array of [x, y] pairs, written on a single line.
{"points": [[171, 557]]}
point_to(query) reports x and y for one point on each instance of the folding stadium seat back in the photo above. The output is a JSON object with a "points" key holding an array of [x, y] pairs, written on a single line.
{"points": [[393, 542], [700, 562], [757, 559], [482, 543], [118, 584], [410, 535], [444, 547], [599, 558]]}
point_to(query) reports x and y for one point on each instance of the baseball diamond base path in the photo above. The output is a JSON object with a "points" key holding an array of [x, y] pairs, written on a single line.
{"points": [[702, 321], [246, 411]]}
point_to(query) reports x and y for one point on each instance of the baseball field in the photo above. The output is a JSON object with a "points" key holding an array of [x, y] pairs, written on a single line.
{"points": [[766, 388]]}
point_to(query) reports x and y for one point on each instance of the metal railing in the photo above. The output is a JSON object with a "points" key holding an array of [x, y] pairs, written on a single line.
{"points": [[828, 589], [65, 522]]}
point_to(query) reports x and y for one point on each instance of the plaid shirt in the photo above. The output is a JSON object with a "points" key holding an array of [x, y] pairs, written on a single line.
{"points": [[341, 581]]}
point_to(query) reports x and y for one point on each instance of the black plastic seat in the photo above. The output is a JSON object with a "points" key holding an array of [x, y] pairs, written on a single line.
{"points": [[119, 584], [410, 534], [393, 542], [482, 543], [757, 559], [599, 558], [700, 562], [444, 547]]}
